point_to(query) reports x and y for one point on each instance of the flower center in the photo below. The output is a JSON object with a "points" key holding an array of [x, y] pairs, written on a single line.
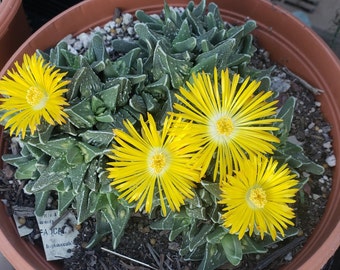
{"points": [[224, 126], [158, 161], [36, 97], [258, 197]]}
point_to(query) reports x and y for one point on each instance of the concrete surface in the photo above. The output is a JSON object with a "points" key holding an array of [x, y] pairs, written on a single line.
{"points": [[4, 264], [324, 19]]}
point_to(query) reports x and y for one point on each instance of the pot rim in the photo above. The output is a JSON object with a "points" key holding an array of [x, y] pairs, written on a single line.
{"points": [[322, 244], [8, 11]]}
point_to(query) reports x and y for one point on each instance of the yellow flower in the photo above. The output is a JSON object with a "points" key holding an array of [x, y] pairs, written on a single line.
{"points": [[257, 197], [153, 162], [32, 92], [230, 121]]}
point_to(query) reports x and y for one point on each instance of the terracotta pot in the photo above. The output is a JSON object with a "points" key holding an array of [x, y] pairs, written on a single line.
{"points": [[14, 28], [299, 49]]}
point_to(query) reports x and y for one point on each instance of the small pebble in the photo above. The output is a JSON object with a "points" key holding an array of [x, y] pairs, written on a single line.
{"points": [[143, 229], [127, 38], [324, 192], [110, 25], [311, 125], [289, 257], [312, 110], [130, 30], [306, 174], [72, 50], [127, 18], [274, 245], [84, 38], [118, 21], [327, 145], [50, 201], [321, 181], [69, 39], [315, 196], [331, 161], [174, 246], [99, 30], [78, 45], [36, 236], [119, 31], [22, 220], [153, 241], [155, 16]]}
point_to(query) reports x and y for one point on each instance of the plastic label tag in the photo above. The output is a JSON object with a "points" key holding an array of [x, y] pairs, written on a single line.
{"points": [[57, 236]]}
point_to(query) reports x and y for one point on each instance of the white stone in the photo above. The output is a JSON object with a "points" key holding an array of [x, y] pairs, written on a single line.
{"points": [[127, 38], [69, 39], [312, 110], [72, 49], [321, 181], [127, 18], [98, 30], [155, 16], [315, 196], [109, 26], [84, 38], [78, 45], [119, 30], [317, 103], [130, 30], [305, 174], [331, 160], [311, 125], [327, 145]]}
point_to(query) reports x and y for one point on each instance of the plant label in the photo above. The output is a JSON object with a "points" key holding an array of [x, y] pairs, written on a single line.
{"points": [[57, 234]]}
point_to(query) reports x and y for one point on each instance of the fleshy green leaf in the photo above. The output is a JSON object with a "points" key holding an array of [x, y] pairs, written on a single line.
{"points": [[232, 248], [41, 202], [213, 257]]}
